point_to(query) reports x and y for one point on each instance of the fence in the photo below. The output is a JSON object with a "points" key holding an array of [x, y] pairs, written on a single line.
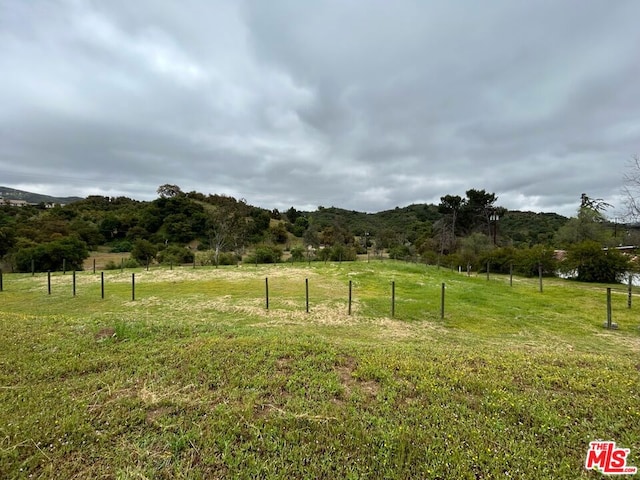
{"points": [[392, 312]]}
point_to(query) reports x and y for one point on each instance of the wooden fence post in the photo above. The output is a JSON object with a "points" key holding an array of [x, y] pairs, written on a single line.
{"points": [[393, 299], [306, 285], [608, 307], [540, 275]]}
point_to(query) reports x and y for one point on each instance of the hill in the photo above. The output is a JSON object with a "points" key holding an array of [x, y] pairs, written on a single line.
{"points": [[35, 198]]}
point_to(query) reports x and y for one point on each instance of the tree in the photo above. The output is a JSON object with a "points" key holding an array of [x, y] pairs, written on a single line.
{"points": [[225, 229], [168, 190], [474, 247], [144, 251], [175, 254], [477, 209], [631, 188], [52, 255], [587, 226], [529, 260], [450, 205], [278, 233], [590, 263], [292, 214]]}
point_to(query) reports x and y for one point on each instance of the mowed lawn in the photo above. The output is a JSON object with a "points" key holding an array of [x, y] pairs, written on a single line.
{"points": [[196, 378]]}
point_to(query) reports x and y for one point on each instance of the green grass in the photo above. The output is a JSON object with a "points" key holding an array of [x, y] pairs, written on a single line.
{"points": [[197, 379]]}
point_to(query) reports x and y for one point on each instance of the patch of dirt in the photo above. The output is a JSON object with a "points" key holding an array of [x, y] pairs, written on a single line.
{"points": [[283, 365], [155, 414], [104, 333], [351, 383]]}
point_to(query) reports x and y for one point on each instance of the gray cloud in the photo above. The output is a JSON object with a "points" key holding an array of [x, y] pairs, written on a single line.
{"points": [[362, 105]]}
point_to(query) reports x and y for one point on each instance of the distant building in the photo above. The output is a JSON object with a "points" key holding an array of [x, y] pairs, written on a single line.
{"points": [[14, 203]]}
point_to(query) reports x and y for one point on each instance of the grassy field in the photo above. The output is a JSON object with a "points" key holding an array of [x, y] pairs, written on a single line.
{"points": [[195, 378]]}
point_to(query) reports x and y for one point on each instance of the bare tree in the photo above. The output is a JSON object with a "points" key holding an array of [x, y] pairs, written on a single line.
{"points": [[631, 188], [224, 228]]}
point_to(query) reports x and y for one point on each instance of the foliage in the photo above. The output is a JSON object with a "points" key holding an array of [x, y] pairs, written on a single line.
{"points": [[298, 254], [144, 251], [265, 254], [53, 255], [501, 260], [587, 226], [528, 261], [175, 254], [400, 252], [342, 253], [209, 257], [591, 263], [278, 233], [299, 226], [121, 246], [473, 248], [526, 229], [168, 190], [125, 263]]}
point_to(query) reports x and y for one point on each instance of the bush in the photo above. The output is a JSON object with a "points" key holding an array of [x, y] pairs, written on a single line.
{"points": [[126, 263], [144, 251], [224, 258], [51, 256], [175, 254], [121, 246], [297, 254], [265, 254], [399, 252], [429, 257], [500, 259], [593, 264], [526, 261], [342, 253]]}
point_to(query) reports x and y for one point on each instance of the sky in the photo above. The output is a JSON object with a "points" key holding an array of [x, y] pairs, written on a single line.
{"points": [[363, 105]]}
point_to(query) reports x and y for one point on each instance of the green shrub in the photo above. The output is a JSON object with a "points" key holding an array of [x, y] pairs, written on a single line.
{"points": [[51, 256], [342, 253], [125, 263], [265, 254], [121, 246], [175, 254], [144, 251], [593, 264], [399, 252], [208, 257], [500, 259], [526, 261], [297, 254]]}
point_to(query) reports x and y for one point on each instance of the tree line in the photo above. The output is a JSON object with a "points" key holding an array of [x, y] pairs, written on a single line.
{"points": [[177, 227]]}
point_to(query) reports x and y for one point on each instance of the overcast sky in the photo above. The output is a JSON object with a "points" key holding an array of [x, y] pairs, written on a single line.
{"points": [[364, 105]]}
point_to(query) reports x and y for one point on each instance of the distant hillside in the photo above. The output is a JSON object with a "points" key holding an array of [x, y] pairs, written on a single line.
{"points": [[29, 197], [521, 227]]}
